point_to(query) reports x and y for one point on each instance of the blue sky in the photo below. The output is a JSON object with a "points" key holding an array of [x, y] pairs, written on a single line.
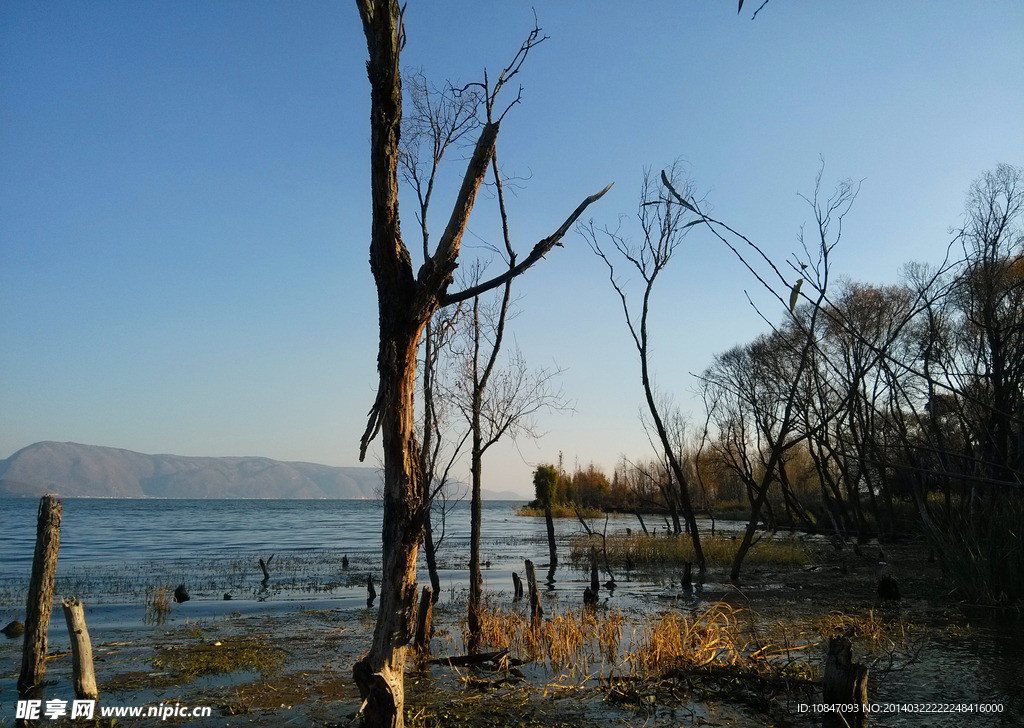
{"points": [[184, 208]]}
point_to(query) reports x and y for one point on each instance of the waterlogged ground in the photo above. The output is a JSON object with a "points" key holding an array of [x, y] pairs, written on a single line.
{"points": [[281, 653]]}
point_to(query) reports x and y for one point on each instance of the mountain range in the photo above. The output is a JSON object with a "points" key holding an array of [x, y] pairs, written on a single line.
{"points": [[73, 470]]}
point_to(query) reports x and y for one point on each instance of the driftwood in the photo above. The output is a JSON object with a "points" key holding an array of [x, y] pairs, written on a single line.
{"points": [[40, 595], [81, 650], [844, 683], [536, 611], [475, 659], [517, 586], [265, 566], [424, 619]]}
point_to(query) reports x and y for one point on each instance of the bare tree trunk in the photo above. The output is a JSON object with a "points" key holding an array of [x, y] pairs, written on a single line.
{"points": [[430, 552], [40, 595], [380, 675], [476, 508], [81, 650], [424, 619]]}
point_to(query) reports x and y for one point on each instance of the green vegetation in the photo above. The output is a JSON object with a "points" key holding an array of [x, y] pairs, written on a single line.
{"points": [[255, 654]]}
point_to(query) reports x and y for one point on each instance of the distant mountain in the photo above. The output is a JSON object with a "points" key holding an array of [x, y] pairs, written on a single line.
{"points": [[71, 470]]}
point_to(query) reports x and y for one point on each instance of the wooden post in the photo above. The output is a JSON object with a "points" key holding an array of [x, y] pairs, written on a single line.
{"points": [[517, 586], [536, 611], [844, 683], [424, 619], [81, 650], [40, 595]]}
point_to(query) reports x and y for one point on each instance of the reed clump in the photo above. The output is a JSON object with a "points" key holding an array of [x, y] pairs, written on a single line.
{"points": [[158, 604], [573, 638], [640, 550], [867, 626], [717, 639]]}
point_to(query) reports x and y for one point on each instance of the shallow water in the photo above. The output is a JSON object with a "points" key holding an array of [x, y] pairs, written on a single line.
{"points": [[113, 550]]}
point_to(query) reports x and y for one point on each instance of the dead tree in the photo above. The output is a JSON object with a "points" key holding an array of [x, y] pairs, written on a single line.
{"points": [[40, 595], [406, 301], [663, 223]]}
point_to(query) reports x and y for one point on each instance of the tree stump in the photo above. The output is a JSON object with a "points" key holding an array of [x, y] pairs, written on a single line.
{"points": [[844, 683], [181, 594], [517, 587], [536, 611], [424, 619], [888, 589], [81, 650], [265, 568], [371, 592], [40, 595], [687, 580]]}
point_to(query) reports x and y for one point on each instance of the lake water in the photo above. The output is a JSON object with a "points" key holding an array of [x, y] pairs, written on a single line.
{"points": [[113, 551]]}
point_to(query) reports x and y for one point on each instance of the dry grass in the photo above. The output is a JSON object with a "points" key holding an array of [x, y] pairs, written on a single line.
{"points": [[639, 550], [565, 639], [711, 634], [588, 642], [158, 604], [875, 632]]}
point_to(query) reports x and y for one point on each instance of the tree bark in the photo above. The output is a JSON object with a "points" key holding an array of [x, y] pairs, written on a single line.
{"points": [[40, 595]]}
